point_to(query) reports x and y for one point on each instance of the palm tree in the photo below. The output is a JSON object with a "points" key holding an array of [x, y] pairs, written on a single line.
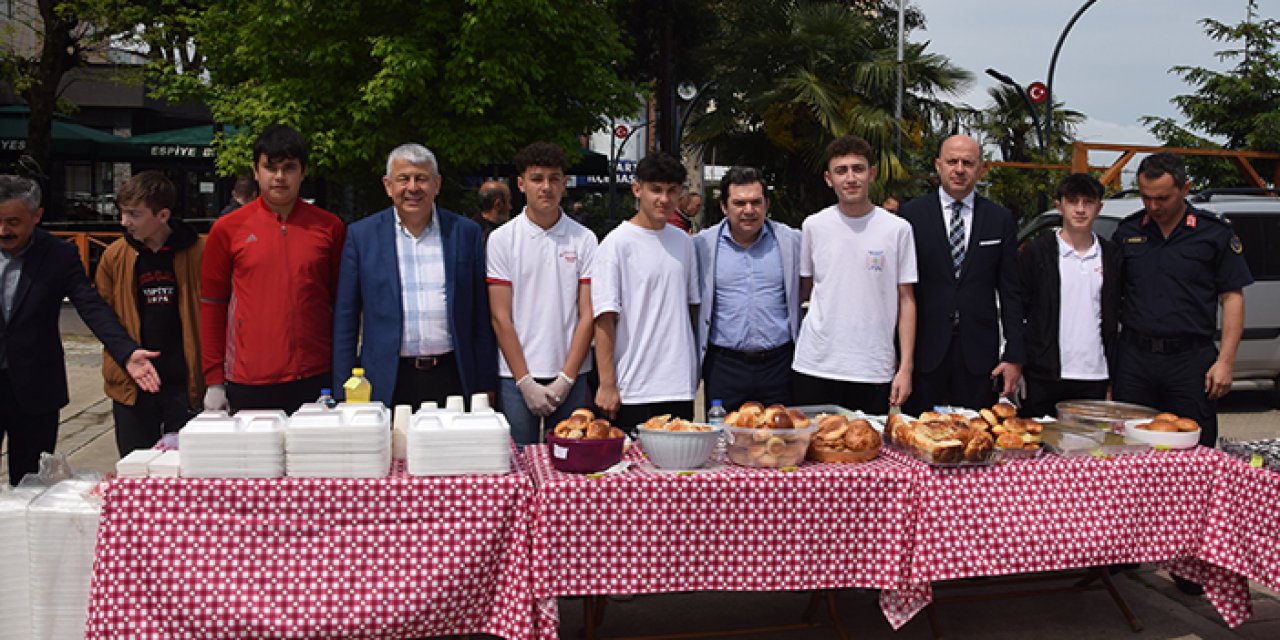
{"points": [[792, 75], [1007, 122]]}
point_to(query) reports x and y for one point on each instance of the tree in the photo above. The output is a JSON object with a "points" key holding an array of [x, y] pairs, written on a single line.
{"points": [[70, 34], [1234, 109], [1007, 123], [793, 75], [472, 81]]}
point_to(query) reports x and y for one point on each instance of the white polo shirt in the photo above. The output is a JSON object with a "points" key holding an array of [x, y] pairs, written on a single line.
{"points": [[1080, 312], [543, 267], [856, 265], [649, 278]]}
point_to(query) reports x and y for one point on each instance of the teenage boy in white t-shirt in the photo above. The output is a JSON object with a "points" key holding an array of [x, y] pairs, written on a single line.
{"points": [[1071, 296], [644, 283], [540, 299], [857, 269]]}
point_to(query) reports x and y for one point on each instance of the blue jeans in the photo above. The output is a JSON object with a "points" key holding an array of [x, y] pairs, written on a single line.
{"points": [[527, 428]]}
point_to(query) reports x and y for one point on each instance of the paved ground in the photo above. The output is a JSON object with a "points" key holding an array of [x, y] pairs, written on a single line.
{"points": [[86, 436]]}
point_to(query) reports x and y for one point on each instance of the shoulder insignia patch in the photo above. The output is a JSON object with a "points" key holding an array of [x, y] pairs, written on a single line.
{"points": [[1135, 239], [1235, 244]]}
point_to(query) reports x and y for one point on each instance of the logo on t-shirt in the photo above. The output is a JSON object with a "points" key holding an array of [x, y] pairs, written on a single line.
{"points": [[875, 260], [569, 255]]}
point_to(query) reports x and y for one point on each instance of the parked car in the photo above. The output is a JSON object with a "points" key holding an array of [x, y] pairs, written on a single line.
{"points": [[1255, 216]]}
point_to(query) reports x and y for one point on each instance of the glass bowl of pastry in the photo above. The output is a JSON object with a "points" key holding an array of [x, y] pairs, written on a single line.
{"points": [[770, 437], [675, 443]]}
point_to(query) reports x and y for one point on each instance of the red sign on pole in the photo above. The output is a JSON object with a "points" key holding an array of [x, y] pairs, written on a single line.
{"points": [[1037, 92], [620, 131]]}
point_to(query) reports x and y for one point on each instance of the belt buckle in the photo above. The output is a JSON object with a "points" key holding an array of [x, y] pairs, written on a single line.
{"points": [[1158, 345], [425, 363]]}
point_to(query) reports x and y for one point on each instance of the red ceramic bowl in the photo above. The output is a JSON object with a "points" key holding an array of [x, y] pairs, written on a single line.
{"points": [[584, 456]]}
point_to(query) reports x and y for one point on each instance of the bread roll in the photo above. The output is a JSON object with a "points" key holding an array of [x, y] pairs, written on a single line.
{"points": [[1187, 424], [989, 417], [798, 419], [979, 447], [861, 436], [583, 413], [1163, 426], [1166, 416], [1004, 410], [598, 430], [1009, 440]]}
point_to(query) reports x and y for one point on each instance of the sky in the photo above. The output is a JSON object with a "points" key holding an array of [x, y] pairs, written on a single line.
{"points": [[1114, 65]]}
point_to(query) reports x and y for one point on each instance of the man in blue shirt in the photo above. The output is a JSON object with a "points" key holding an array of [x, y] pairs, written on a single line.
{"points": [[750, 313]]}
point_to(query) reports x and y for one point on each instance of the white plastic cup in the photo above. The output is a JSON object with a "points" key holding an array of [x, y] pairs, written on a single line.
{"points": [[479, 402], [455, 403], [429, 405], [400, 419]]}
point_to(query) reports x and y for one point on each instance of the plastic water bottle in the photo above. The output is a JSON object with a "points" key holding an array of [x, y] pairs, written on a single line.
{"points": [[716, 414], [326, 398], [357, 387]]}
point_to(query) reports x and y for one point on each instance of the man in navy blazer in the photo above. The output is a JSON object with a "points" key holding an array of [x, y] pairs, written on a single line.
{"points": [[748, 267], [958, 360], [412, 284], [37, 271]]}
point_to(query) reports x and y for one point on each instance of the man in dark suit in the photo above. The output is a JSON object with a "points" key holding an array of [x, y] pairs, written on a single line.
{"points": [[37, 271], [412, 284], [966, 252]]}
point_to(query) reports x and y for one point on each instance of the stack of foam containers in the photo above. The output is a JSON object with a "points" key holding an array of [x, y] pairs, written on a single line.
{"points": [[15, 558], [351, 441], [447, 442], [247, 445], [62, 526]]}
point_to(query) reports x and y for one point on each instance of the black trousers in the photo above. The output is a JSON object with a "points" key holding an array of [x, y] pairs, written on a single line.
{"points": [[286, 395], [152, 415], [417, 383], [871, 398], [632, 415], [951, 384], [734, 377], [1043, 395], [27, 435], [1172, 382]]}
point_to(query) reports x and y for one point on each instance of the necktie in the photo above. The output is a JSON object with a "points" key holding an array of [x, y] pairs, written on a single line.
{"points": [[956, 236]]}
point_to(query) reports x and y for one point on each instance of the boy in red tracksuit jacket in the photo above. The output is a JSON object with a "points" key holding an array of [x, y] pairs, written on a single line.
{"points": [[268, 281]]}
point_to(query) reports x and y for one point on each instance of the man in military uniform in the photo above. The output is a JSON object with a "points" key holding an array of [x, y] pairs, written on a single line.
{"points": [[1180, 263]]}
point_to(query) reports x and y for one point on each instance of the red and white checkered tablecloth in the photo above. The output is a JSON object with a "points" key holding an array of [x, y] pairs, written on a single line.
{"points": [[726, 529], [1054, 513], [399, 557], [1242, 532]]}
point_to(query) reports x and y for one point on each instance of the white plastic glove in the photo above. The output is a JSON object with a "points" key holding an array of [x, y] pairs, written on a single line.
{"points": [[560, 387], [538, 398], [215, 398]]}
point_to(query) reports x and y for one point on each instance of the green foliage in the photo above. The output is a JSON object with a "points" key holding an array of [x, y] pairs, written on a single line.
{"points": [[1008, 124], [791, 76], [474, 81], [1239, 107], [68, 34]]}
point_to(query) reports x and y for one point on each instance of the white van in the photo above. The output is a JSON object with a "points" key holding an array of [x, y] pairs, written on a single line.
{"points": [[1256, 219]]}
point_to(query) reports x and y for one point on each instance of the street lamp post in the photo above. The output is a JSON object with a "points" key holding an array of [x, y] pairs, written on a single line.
{"points": [[1031, 108], [613, 169], [1053, 64], [1042, 200]]}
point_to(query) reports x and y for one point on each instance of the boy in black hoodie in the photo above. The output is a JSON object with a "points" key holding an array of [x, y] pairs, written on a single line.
{"points": [[151, 279], [1071, 283]]}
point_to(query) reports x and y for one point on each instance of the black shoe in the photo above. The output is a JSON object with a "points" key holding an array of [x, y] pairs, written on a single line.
{"points": [[1188, 587]]}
